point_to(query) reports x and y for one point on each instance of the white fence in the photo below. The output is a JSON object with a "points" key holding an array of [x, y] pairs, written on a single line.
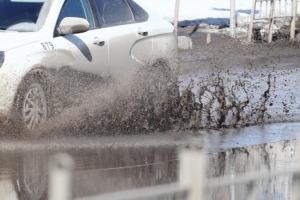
{"points": [[191, 185], [272, 10]]}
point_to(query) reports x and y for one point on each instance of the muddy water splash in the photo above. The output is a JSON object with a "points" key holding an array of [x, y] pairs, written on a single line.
{"points": [[96, 106], [239, 87], [107, 108], [218, 102]]}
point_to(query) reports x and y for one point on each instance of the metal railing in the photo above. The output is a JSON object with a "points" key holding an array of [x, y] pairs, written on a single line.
{"points": [[191, 185], [286, 9]]}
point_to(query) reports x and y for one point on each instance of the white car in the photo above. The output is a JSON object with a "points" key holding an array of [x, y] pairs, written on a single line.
{"points": [[107, 38]]}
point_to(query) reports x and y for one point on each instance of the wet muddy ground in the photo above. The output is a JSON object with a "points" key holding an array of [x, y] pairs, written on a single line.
{"points": [[238, 84], [106, 164], [224, 85]]}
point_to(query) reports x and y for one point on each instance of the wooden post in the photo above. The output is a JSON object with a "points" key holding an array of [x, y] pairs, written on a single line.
{"points": [[232, 18], [208, 38], [192, 173], [293, 22], [271, 21], [176, 15], [251, 21], [60, 177]]}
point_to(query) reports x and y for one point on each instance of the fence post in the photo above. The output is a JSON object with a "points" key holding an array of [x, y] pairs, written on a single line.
{"points": [[296, 176], [176, 15], [232, 18], [60, 177], [272, 6], [251, 21], [192, 172], [252, 193], [208, 38], [296, 186], [293, 22]]}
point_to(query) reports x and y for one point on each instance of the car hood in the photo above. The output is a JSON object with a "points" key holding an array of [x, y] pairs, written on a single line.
{"points": [[10, 40]]}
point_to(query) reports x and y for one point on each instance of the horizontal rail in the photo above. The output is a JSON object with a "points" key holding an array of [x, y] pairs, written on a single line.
{"points": [[248, 178], [191, 185], [265, 0], [179, 189], [155, 191], [267, 18]]}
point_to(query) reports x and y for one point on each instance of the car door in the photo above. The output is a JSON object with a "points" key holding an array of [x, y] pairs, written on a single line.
{"points": [[88, 51], [130, 41]]}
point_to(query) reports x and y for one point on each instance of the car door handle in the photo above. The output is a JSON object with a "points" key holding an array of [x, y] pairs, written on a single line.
{"points": [[142, 32], [99, 42]]}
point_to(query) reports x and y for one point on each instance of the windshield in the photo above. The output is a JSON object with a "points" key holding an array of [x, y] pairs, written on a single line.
{"points": [[20, 15]]}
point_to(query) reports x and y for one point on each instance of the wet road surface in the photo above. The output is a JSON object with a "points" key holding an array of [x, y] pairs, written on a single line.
{"points": [[106, 164]]}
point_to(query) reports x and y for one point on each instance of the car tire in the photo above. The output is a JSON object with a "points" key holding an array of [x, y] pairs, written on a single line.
{"points": [[32, 102]]}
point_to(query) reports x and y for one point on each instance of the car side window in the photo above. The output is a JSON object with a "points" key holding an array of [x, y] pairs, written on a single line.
{"points": [[140, 15], [114, 12], [76, 8]]}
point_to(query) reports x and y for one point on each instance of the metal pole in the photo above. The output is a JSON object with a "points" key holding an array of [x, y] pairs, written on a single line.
{"points": [[176, 15], [293, 23], [232, 18], [60, 177], [251, 21]]}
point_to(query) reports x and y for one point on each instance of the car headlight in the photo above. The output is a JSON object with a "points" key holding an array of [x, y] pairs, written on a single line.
{"points": [[2, 58]]}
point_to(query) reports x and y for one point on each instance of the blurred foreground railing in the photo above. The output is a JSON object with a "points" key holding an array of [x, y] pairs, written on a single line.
{"points": [[274, 10], [191, 185]]}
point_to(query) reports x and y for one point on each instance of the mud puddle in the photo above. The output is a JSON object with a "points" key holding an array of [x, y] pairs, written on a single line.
{"points": [[106, 164]]}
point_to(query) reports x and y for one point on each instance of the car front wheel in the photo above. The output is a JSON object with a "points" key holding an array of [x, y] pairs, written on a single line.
{"points": [[32, 105]]}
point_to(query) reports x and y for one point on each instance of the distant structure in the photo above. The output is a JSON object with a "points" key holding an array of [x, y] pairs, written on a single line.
{"points": [[285, 10]]}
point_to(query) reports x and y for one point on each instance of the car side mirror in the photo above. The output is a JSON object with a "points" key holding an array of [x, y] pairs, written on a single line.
{"points": [[71, 25]]}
